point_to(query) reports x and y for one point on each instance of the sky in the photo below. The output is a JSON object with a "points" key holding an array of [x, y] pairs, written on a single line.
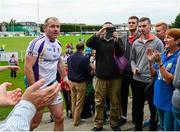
{"points": [[89, 11]]}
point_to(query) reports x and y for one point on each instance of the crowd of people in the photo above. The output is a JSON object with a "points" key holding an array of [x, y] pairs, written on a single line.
{"points": [[90, 82]]}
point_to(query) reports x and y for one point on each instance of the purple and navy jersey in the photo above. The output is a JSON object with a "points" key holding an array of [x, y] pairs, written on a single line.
{"points": [[48, 55]]}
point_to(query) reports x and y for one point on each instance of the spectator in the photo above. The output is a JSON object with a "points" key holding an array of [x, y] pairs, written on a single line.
{"points": [[69, 49], [161, 31], [141, 74], [78, 73], [88, 108], [128, 40], [176, 94], [107, 44], [164, 72], [13, 62]]}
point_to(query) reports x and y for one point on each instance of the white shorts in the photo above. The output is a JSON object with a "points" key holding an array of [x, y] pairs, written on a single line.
{"points": [[58, 99]]}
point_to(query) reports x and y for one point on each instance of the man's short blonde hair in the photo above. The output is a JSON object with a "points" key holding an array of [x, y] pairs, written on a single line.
{"points": [[163, 25]]}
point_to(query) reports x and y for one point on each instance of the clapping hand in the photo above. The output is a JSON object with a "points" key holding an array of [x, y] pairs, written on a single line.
{"points": [[150, 55], [8, 98], [157, 56]]}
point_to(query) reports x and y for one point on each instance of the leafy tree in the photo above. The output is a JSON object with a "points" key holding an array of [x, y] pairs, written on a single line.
{"points": [[176, 24], [68, 27], [12, 21]]}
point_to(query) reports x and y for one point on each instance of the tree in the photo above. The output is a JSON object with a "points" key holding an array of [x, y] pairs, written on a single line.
{"points": [[12, 21], [176, 24], [11, 25]]}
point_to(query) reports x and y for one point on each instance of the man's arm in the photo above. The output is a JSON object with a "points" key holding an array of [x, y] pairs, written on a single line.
{"points": [[2, 68], [61, 68], [20, 117], [91, 42], [28, 68], [62, 71], [135, 70]]}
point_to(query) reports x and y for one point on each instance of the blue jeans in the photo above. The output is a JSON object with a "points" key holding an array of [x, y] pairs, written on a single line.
{"points": [[176, 113], [166, 120]]}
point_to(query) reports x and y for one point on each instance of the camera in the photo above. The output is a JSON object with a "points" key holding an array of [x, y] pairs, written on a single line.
{"points": [[109, 32], [110, 29]]}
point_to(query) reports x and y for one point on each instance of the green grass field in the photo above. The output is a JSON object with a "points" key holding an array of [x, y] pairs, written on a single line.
{"points": [[20, 44]]}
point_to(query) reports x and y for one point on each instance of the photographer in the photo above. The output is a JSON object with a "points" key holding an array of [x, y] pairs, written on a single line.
{"points": [[107, 44]]}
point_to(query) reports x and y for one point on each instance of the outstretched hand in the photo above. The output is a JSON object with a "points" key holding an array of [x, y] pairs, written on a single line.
{"points": [[41, 97], [8, 98], [16, 68]]}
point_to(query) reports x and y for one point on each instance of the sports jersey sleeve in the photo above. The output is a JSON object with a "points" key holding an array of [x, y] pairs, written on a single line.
{"points": [[34, 46], [33, 49]]}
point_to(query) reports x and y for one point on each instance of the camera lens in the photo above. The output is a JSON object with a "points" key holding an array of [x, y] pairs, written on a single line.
{"points": [[110, 29]]}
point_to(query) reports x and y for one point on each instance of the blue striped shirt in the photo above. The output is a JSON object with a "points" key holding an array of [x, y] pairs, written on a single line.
{"points": [[20, 117]]}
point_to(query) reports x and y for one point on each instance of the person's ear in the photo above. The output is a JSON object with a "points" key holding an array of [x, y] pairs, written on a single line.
{"points": [[178, 42]]}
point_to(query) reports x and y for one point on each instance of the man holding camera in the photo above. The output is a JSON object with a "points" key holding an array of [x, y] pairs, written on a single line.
{"points": [[107, 44]]}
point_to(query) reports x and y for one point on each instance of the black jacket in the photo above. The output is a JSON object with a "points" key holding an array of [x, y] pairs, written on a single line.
{"points": [[106, 67]]}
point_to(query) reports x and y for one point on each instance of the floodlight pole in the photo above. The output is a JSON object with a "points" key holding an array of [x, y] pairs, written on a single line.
{"points": [[38, 17]]}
